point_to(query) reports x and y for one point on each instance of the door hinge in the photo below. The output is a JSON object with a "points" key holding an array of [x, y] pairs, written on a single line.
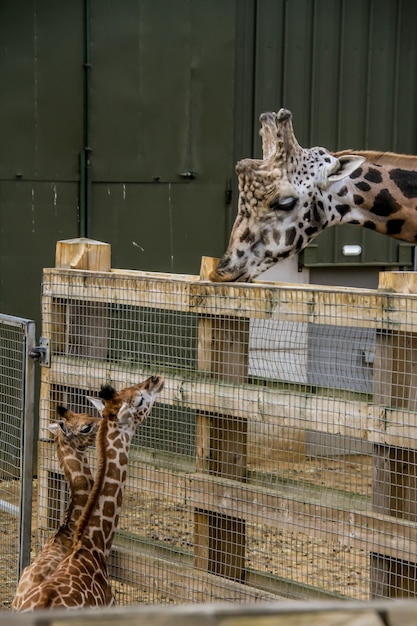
{"points": [[41, 353]]}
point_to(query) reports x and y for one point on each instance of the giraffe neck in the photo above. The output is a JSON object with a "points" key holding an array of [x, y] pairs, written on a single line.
{"points": [[75, 466], [98, 523], [381, 196]]}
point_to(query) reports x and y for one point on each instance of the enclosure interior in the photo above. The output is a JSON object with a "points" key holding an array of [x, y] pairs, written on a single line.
{"points": [[279, 460]]}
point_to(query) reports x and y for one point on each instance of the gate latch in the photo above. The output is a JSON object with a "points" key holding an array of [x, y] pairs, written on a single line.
{"points": [[40, 353]]}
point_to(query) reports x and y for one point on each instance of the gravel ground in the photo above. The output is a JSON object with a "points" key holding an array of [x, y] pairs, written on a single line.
{"points": [[289, 555]]}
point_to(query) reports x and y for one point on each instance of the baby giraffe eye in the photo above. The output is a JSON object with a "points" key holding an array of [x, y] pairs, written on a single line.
{"points": [[86, 429], [283, 204]]}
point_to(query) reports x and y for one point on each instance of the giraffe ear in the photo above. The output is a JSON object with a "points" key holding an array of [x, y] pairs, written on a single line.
{"points": [[97, 403], [124, 414], [55, 426], [348, 163]]}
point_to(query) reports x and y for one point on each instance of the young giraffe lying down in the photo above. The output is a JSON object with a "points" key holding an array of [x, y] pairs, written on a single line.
{"points": [[73, 434]]}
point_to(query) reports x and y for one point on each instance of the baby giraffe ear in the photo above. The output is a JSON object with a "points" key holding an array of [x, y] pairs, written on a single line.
{"points": [[97, 403], [348, 163], [61, 410], [55, 426], [124, 414]]}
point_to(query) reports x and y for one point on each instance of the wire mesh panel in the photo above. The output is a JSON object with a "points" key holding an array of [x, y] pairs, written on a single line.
{"points": [[17, 337], [279, 460]]}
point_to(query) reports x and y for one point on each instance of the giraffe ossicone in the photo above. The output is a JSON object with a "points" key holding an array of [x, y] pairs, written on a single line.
{"points": [[82, 579], [292, 194]]}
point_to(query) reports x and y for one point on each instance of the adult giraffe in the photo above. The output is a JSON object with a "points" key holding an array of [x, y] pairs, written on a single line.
{"points": [[292, 194]]}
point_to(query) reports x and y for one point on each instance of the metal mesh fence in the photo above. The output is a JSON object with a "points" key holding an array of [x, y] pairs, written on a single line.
{"points": [[16, 450], [279, 460]]}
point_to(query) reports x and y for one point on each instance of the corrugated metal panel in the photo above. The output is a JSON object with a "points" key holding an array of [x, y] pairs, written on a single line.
{"points": [[347, 71], [345, 68], [34, 215], [160, 227], [165, 71], [40, 74]]}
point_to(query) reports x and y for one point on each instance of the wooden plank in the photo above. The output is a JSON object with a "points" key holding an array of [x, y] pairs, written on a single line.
{"points": [[358, 529], [320, 513], [178, 580], [394, 476], [395, 375], [285, 408], [232, 611], [113, 287], [285, 302], [202, 442], [398, 282], [208, 265], [201, 540], [223, 346], [229, 454]]}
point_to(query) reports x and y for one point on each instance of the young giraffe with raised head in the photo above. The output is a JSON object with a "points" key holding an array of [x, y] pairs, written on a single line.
{"points": [[81, 579], [73, 434], [292, 194]]}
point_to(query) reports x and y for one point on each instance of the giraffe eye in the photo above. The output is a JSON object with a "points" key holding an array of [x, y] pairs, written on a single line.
{"points": [[86, 429], [283, 204]]}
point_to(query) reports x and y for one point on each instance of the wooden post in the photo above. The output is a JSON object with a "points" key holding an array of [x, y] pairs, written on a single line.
{"points": [[220, 540], [394, 485], [74, 327], [83, 254], [85, 324]]}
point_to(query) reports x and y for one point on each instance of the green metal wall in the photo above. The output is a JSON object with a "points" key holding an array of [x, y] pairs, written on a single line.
{"points": [[347, 69], [106, 106], [162, 107]]}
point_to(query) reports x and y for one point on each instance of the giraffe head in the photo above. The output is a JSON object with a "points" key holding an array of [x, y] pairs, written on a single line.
{"points": [[279, 209], [130, 405], [78, 429]]}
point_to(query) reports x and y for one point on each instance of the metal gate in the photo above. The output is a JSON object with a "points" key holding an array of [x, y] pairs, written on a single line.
{"points": [[17, 342]]}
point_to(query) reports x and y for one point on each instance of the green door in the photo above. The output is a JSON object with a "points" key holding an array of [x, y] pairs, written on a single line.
{"points": [[162, 130]]}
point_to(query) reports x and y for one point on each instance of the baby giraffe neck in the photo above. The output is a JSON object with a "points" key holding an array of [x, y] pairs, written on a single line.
{"points": [[100, 518], [77, 472]]}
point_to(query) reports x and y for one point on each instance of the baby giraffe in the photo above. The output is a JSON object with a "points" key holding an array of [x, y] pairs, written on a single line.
{"points": [[81, 579], [73, 434]]}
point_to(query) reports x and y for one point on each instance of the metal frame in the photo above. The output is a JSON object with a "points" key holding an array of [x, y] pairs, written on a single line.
{"points": [[28, 328]]}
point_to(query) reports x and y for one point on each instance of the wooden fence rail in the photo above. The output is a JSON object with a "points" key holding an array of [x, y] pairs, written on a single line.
{"points": [[219, 488]]}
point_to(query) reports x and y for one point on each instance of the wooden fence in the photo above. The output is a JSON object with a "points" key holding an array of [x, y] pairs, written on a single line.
{"points": [[392, 613], [243, 504]]}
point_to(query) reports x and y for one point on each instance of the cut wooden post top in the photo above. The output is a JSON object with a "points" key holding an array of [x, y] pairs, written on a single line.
{"points": [[83, 254], [398, 282], [208, 265]]}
